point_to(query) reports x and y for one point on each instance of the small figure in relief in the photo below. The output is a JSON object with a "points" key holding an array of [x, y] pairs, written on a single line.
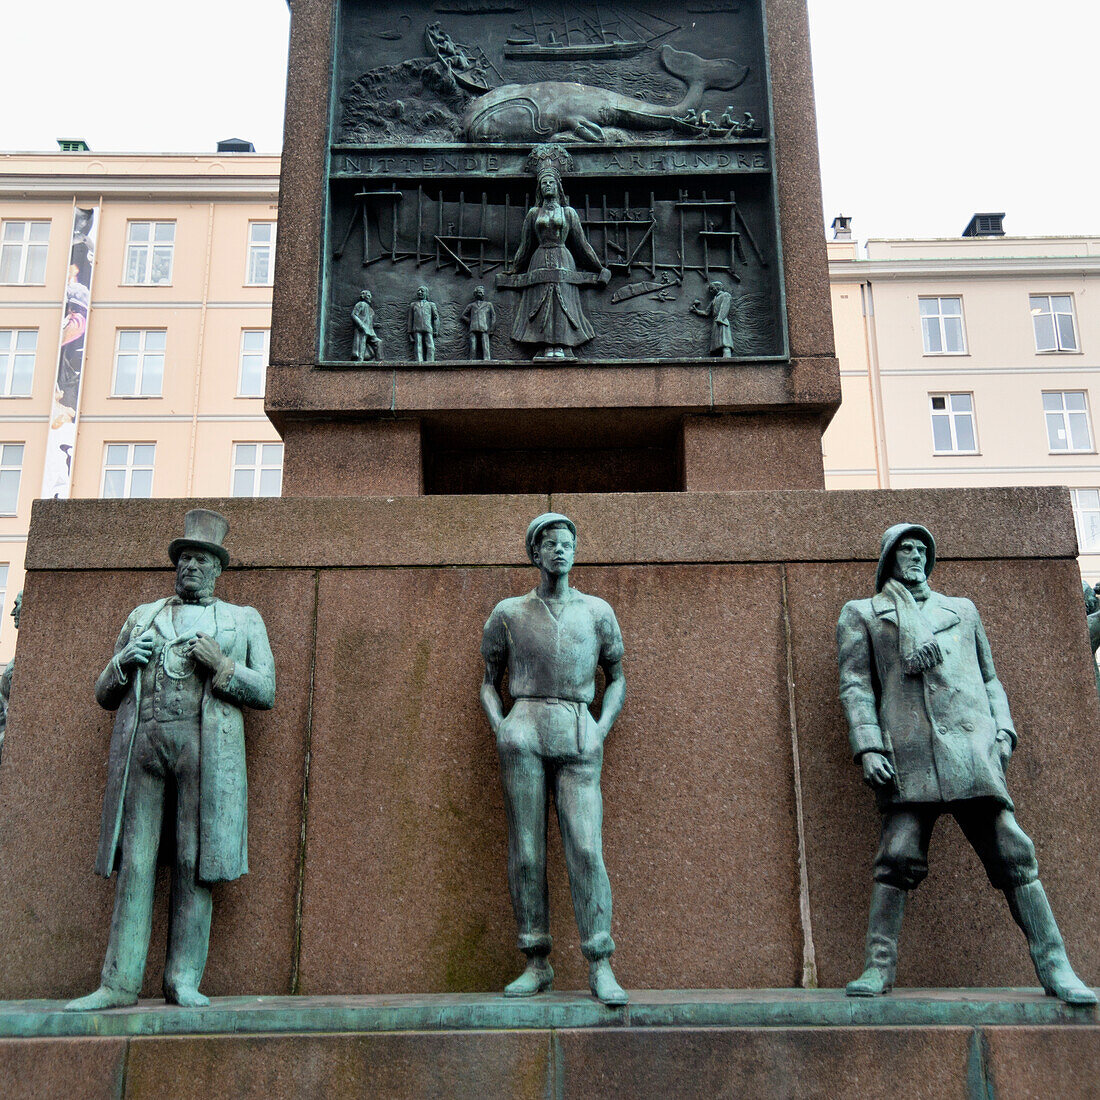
{"points": [[365, 343], [718, 310], [480, 317], [423, 325]]}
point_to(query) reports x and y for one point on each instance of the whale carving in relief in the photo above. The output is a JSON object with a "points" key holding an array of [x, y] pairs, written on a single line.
{"points": [[562, 111]]}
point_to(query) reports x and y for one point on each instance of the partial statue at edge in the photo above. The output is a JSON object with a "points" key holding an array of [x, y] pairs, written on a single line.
{"points": [[551, 642], [930, 726], [183, 669], [551, 247], [5, 676]]}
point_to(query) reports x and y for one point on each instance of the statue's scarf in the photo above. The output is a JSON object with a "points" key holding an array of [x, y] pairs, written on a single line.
{"points": [[919, 649]]}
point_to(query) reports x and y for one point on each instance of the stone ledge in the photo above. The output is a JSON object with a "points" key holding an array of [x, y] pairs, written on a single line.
{"points": [[701, 1008], [615, 528]]}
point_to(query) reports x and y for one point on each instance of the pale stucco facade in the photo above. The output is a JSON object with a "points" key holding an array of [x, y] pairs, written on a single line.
{"points": [[1000, 400], [211, 296]]}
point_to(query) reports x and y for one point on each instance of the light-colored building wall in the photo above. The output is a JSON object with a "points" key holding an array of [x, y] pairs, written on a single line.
{"points": [[208, 302], [889, 377]]}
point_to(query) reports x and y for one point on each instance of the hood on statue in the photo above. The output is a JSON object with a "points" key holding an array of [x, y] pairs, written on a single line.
{"points": [[890, 540]]}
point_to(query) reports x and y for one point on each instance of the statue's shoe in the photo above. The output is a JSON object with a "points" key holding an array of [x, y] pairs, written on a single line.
{"points": [[186, 997], [1066, 986], [537, 978], [103, 997], [873, 982], [601, 980]]}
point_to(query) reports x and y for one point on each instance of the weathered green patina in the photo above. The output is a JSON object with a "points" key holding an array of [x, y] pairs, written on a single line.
{"points": [[551, 642], [930, 725], [182, 670]]}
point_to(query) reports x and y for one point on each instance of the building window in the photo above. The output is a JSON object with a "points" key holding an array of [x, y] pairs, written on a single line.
{"points": [[17, 348], [941, 323], [23, 252], [128, 470], [11, 470], [953, 423], [257, 469], [139, 362], [261, 253], [149, 248], [1052, 316], [1067, 416], [1086, 516], [253, 370]]}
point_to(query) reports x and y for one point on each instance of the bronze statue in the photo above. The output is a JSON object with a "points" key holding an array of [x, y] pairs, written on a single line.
{"points": [[365, 342], [183, 669], [1092, 620], [480, 317], [423, 325], [930, 726], [551, 641], [551, 246], [718, 310], [5, 676]]}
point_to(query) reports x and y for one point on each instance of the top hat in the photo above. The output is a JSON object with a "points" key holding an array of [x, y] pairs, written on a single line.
{"points": [[202, 530], [890, 540], [540, 523]]}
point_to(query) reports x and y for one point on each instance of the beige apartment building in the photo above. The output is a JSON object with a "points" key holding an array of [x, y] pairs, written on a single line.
{"points": [[175, 332], [969, 361]]}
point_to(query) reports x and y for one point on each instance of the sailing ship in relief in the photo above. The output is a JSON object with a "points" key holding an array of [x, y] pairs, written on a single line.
{"points": [[585, 36]]}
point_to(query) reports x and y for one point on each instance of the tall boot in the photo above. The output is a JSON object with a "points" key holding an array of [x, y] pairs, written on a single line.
{"points": [[883, 930], [537, 977], [1031, 911]]}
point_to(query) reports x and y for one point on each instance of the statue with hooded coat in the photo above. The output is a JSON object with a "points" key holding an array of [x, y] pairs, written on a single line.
{"points": [[183, 669], [930, 726]]}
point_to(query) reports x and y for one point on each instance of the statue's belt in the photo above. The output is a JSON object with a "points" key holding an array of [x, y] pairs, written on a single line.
{"points": [[545, 275]]}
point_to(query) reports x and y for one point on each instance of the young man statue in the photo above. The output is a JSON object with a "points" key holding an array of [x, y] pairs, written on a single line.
{"points": [[550, 642], [931, 729]]}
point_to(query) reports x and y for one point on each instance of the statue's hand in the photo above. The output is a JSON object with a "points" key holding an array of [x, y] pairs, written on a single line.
{"points": [[206, 652], [137, 652], [877, 770], [605, 276], [1004, 746]]}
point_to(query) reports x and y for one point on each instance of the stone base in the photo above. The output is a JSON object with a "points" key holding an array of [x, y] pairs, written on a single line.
{"points": [[737, 832], [775, 1043]]}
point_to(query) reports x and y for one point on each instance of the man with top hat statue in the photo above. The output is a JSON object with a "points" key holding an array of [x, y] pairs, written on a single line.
{"points": [[551, 642], [183, 669], [929, 725]]}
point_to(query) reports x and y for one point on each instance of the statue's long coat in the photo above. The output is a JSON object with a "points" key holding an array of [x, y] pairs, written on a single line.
{"points": [[223, 796], [939, 728]]}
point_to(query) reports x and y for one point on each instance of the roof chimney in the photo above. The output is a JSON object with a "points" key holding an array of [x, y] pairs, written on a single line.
{"points": [[986, 225], [72, 145], [236, 145], [842, 228]]}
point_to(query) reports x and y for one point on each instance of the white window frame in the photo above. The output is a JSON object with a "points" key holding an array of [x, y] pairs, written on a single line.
{"points": [[254, 248], [11, 459], [142, 354], [939, 316], [952, 415], [1063, 413], [1080, 510], [257, 467], [25, 244], [1037, 311], [148, 246], [129, 466], [8, 358], [266, 358]]}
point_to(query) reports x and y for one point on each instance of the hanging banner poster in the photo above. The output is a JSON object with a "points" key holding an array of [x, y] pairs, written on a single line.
{"points": [[57, 473]]}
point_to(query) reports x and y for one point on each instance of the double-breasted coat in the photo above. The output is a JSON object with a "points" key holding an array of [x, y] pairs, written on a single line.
{"points": [[939, 727], [223, 797]]}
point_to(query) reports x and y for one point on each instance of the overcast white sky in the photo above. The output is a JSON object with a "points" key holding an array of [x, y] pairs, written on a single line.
{"points": [[927, 112]]}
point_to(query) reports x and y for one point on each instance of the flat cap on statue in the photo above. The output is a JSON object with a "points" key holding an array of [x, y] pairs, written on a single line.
{"points": [[202, 530], [540, 523], [891, 538]]}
